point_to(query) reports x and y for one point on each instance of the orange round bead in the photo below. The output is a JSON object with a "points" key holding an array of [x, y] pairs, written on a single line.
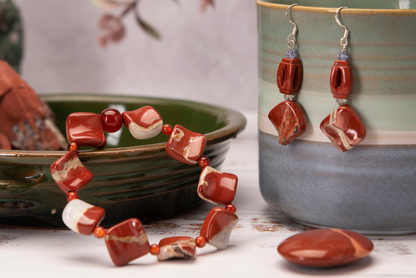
{"points": [[203, 161], [231, 207], [99, 232], [72, 195], [200, 241], [167, 129], [73, 147], [154, 249]]}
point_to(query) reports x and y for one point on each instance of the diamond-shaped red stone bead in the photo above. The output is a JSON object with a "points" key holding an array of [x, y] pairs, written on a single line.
{"points": [[69, 173], [85, 129], [218, 226], [217, 187], [185, 146], [344, 128], [341, 79], [177, 247], [143, 123], [289, 120], [126, 241]]}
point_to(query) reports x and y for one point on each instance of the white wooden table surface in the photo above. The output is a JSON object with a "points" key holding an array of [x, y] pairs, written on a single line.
{"points": [[252, 251]]}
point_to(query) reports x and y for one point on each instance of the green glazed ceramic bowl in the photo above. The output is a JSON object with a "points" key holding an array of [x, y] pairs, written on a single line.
{"points": [[371, 188], [131, 178]]}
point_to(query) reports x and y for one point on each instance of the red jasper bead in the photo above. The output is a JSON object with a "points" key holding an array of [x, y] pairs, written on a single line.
{"points": [[154, 249], [289, 76], [99, 232], [203, 162], [112, 120], [200, 241], [231, 207], [167, 129], [341, 79], [71, 196], [73, 147]]}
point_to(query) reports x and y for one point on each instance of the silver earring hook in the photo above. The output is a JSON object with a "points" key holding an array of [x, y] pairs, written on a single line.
{"points": [[344, 39], [291, 39]]}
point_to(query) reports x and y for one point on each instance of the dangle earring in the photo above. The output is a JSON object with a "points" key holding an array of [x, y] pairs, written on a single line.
{"points": [[343, 126], [288, 117]]}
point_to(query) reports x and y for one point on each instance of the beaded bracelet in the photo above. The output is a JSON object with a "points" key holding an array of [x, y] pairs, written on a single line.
{"points": [[127, 240]]}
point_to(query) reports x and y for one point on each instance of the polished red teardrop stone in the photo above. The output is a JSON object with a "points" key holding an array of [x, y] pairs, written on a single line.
{"points": [[289, 120], [341, 79], [289, 76], [112, 120]]}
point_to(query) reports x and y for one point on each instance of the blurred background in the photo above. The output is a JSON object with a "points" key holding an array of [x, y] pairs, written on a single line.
{"points": [[209, 57]]}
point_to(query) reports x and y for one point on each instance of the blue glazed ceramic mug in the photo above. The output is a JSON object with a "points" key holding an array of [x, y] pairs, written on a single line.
{"points": [[371, 188]]}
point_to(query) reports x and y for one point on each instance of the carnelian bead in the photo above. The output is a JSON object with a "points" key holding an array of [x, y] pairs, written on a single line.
{"points": [[167, 129], [72, 195], [99, 232], [203, 161], [154, 249], [112, 120], [200, 241], [231, 208], [73, 147]]}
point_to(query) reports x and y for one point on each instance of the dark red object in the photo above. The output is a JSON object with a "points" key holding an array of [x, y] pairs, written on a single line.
{"points": [[154, 249], [341, 79], [177, 247], [344, 128], [200, 242], [112, 120], [99, 232], [85, 129], [218, 226], [126, 241], [73, 147], [167, 129], [203, 162], [4, 142], [185, 146], [69, 173], [217, 187], [26, 121], [289, 120], [90, 220], [71, 196], [231, 207], [144, 117], [325, 248], [289, 76]]}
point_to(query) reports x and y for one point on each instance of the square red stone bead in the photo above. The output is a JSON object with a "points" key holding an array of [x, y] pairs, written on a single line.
{"points": [[82, 217], [85, 129], [126, 241], [289, 120], [344, 128], [185, 146], [218, 226], [143, 123], [177, 247], [69, 173], [217, 187]]}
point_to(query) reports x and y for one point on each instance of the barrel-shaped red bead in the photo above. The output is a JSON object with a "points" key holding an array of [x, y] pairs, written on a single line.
{"points": [[341, 79], [289, 76], [85, 129], [177, 247]]}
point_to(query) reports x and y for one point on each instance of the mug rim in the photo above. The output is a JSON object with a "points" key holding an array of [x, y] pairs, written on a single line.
{"points": [[264, 3]]}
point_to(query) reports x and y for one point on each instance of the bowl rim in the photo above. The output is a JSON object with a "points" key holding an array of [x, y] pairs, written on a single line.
{"points": [[235, 124], [264, 3]]}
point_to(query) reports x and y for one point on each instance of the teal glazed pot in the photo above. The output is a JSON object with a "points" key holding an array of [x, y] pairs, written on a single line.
{"points": [[371, 188], [132, 178]]}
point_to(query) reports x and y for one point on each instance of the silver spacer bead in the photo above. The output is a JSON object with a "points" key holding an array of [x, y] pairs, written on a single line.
{"points": [[341, 101], [290, 97]]}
